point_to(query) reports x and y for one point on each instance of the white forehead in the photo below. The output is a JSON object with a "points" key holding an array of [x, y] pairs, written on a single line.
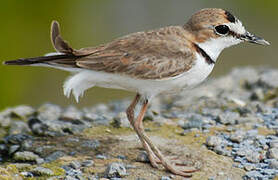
{"points": [[237, 27]]}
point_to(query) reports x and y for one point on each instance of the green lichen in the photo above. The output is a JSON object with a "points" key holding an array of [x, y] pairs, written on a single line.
{"points": [[10, 173], [55, 166]]}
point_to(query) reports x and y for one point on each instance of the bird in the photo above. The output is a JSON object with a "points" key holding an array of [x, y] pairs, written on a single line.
{"points": [[149, 63]]}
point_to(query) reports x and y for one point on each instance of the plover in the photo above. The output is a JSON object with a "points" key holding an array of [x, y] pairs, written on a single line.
{"points": [[164, 60]]}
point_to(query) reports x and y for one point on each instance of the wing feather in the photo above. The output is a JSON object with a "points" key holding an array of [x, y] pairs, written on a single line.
{"points": [[154, 54]]}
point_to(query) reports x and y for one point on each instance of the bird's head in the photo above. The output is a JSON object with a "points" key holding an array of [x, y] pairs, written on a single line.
{"points": [[216, 29]]}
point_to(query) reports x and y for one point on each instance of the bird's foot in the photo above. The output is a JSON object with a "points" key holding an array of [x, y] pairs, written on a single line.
{"points": [[173, 164], [178, 167]]}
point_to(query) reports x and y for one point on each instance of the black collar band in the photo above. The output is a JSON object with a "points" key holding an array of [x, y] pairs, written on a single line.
{"points": [[204, 54]]}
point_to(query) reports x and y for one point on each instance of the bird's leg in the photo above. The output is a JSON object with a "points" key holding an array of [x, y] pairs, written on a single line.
{"points": [[138, 126], [130, 115]]}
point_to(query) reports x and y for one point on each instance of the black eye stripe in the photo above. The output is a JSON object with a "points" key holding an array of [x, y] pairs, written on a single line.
{"points": [[230, 17]]}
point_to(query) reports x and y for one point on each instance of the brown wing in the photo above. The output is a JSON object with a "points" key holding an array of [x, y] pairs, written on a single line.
{"points": [[144, 55], [156, 54]]}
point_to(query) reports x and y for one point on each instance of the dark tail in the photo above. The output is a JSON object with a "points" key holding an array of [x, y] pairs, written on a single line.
{"points": [[42, 59], [66, 58]]}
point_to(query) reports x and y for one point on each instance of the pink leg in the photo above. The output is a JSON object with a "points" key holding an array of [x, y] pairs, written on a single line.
{"points": [[130, 114], [138, 126]]}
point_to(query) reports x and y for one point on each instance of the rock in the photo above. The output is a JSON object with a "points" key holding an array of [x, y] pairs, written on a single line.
{"points": [[115, 170], [228, 118], [49, 112], [76, 173], [13, 149], [100, 156], [143, 157], [257, 94], [243, 151], [17, 138], [39, 160], [238, 136], [273, 144], [75, 165], [213, 113], [273, 153], [63, 127], [3, 149], [25, 156], [41, 171], [87, 163], [69, 178], [27, 174], [221, 150], [27, 144], [122, 157], [90, 116], [23, 111], [273, 164], [22, 165], [269, 172], [269, 78], [73, 140], [247, 74], [249, 166], [253, 157], [130, 166], [5, 122], [165, 178], [121, 120], [253, 175], [92, 144], [191, 121], [53, 156], [37, 127], [71, 113], [66, 168], [19, 127], [214, 141], [98, 119]]}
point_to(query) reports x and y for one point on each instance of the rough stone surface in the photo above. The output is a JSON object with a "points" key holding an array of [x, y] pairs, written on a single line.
{"points": [[115, 170], [142, 157], [49, 112], [55, 155], [234, 116], [214, 141], [273, 153], [121, 120], [25, 156], [40, 171]]}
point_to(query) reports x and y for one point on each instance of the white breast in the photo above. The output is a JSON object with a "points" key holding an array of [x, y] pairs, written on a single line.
{"points": [[85, 79]]}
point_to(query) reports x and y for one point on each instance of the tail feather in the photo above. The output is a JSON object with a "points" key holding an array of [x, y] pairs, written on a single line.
{"points": [[66, 54], [57, 41], [42, 59]]}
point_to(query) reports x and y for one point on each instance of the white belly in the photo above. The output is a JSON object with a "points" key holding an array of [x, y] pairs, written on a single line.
{"points": [[85, 79]]}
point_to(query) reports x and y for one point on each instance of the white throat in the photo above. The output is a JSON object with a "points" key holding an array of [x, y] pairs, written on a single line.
{"points": [[213, 47]]}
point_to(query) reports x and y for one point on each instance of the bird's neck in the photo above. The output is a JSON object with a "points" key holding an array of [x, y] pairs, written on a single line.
{"points": [[214, 46]]}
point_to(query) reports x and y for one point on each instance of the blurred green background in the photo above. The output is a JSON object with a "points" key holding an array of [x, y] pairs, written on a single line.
{"points": [[24, 32]]}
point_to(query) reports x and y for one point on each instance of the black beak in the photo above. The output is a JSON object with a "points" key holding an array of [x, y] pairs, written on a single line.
{"points": [[253, 39]]}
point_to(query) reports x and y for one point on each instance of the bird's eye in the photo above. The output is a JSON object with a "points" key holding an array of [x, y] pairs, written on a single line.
{"points": [[222, 29]]}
